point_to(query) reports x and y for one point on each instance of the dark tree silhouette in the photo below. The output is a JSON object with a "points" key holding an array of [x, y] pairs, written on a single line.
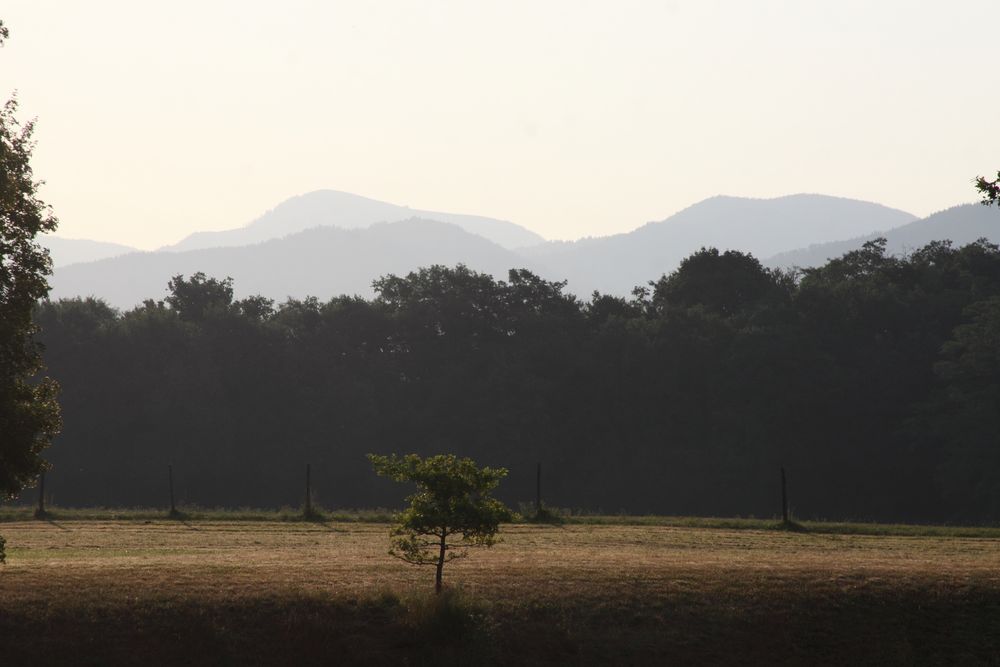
{"points": [[685, 398], [29, 414], [990, 190], [726, 283], [194, 298]]}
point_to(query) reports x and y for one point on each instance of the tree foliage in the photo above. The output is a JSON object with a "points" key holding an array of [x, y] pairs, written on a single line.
{"points": [[727, 283], [29, 414], [194, 298], [451, 511], [990, 190], [869, 379], [966, 412]]}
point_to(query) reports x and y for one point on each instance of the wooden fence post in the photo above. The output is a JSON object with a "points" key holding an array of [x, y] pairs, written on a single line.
{"points": [[308, 508], [170, 479], [40, 511], [784, 498], [538, 490]]}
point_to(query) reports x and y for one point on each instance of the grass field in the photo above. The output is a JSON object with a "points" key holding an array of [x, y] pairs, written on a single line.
{"points": [[154, 591]]}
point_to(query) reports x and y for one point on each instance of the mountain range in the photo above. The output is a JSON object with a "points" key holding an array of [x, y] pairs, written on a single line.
{"points": [[762, 227], [328, 243], [960, 224], [330, 208], [321, 262], [71, 251]]}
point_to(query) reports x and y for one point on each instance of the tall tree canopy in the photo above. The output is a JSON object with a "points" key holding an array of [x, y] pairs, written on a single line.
{"points": [[990, 190], [194, 298], [870, 379], [29, 414]]}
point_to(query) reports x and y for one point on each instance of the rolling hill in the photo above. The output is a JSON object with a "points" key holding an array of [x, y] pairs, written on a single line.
{"points": [[321, 262], [70, 251], [960, 224], [763, 227], [274, 257], [330, 208]]}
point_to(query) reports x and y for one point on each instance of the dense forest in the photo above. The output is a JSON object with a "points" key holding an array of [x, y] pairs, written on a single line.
{"points": [[874, 380]]}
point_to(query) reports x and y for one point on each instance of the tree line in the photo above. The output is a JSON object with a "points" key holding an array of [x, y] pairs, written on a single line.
{"points": [[874, 380]]}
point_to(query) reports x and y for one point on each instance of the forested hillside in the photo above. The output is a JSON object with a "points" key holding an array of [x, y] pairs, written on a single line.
{"points": [[874, 380]]}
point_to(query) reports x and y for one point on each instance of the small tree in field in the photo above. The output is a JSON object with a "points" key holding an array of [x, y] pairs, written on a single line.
{"points": [[451, 511]]}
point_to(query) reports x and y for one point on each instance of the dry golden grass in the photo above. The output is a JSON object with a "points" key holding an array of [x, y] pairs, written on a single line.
{"points": [[219, 558], [572, 592]]}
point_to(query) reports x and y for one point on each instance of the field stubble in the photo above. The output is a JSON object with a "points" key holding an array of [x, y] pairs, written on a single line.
{"points": [[217, 592]]}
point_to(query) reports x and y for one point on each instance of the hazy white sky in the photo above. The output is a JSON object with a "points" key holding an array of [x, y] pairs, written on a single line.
{"points": [[572, 118]]}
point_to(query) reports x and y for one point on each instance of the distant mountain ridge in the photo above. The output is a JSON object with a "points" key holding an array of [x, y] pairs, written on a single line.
{"points": [[961, 225], [762, 227], [70, 251], [332, 208], [321, 262], [325, 261]]}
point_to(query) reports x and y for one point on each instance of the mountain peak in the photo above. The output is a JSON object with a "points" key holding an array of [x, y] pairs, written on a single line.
{"points": [[322, 261], [333, 208]]}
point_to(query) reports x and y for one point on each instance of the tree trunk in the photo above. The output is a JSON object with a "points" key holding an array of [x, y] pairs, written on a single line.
{"points": [[440, 564]]}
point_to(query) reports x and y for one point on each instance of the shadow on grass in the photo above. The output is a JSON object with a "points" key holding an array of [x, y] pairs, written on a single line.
{"points": [[317, 518], [326, 525], [791, 526], [180, 517], [459, 626], [541, 515], [49, 518]]}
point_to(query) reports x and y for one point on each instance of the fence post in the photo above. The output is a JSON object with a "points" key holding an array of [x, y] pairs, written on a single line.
{"points": [[784, 498], [170, 479], [538, 490], [40, 511], [308, 508]]}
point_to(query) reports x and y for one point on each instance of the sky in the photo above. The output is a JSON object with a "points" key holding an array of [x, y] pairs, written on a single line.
{"points": [[570, 117]]}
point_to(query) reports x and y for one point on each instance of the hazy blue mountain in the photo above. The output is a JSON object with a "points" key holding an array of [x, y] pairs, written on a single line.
{"points": [[321, 262], [69, 251], [347, 211], [959, 224], [327, 260], [764, 227]]}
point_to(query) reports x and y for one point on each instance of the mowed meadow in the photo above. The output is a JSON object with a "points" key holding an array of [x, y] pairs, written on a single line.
{"points": [[215, 592]]}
